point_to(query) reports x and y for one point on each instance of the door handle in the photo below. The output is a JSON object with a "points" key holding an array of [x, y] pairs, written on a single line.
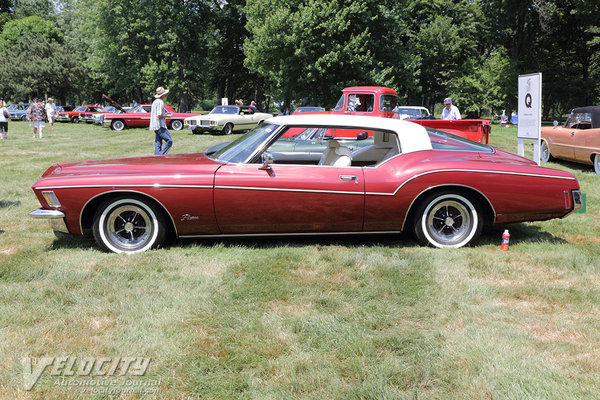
{"points": [[348, 177], [573, 133]]}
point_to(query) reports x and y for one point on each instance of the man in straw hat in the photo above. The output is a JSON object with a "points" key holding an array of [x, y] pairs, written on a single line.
{"points": [[51, 112], [158, 123]]}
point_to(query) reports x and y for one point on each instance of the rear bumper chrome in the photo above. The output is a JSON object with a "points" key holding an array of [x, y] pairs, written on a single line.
{"points": [[577, 200], [55, 217]]}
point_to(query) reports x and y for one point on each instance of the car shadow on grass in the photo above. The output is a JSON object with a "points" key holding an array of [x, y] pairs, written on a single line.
{"points": [[352, 241], [520, 233], [568, 164], [67, 241], [9, 203]]}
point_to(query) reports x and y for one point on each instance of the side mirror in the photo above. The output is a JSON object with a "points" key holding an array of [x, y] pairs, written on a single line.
{"points": [[555, 123], [267, 160], [362, 135]]}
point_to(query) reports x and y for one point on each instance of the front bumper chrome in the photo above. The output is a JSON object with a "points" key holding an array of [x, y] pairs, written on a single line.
{"points": [[55, 217]]}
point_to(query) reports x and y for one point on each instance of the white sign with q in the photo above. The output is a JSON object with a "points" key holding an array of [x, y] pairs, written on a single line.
{"points": [[530, 106]]}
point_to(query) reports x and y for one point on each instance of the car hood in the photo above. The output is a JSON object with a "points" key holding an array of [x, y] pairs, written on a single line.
{"points": [[180, 164]]}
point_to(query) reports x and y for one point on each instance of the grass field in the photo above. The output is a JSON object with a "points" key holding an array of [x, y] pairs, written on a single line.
{"points": [[312, 318]]}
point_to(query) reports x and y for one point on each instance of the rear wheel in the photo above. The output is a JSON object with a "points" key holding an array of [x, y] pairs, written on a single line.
{"points": [[545, 154], [117, 125], [176, 125], [227, 129], [128, 225], [447, 220], [597, 163]]}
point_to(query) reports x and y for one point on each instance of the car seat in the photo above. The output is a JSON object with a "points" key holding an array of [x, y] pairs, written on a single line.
{"points": [[336, 155]]}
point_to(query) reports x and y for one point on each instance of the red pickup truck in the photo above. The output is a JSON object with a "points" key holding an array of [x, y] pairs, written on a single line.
{"points": [[379, 101]]}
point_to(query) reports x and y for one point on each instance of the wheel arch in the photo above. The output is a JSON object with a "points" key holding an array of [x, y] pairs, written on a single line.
{"points": [[86, 217], [489, 214]]}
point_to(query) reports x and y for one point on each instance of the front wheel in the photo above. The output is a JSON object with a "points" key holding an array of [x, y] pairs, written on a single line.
{"points": [[24, 118], [176, 125], [597, 163], [76, 120], [447, 220], [227, 129], [127, 225], [117, 125], [545, 154]]}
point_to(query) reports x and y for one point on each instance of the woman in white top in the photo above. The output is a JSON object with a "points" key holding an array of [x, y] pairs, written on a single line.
{"points": [[4, 116]]}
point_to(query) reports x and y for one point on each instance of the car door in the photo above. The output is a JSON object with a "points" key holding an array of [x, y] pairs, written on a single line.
{"points": [[288, 199], [586, 142], [560, 142]]}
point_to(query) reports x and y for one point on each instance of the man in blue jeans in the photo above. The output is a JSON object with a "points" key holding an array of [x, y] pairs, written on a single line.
{"points": [[158, 123]]}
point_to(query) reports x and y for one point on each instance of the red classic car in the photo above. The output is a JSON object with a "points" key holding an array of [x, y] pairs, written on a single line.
{"points": [[139, 117], [577, 140], [439, 186], [75, 115]]}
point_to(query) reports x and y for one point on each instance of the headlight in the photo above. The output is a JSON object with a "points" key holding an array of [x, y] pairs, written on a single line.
{"points": [[51, 198]]}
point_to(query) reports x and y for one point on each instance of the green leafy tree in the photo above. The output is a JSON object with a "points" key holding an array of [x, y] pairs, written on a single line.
{"points": [[29, 27], [37, 66], [40, 8], [138, 45], [311, 48]]}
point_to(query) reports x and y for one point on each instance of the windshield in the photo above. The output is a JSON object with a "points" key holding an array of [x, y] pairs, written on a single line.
{"points": [[245, 146], [446, 141], [138, 109], [224, 110], [387, 102], [108, 109], [81, 108], [409, 113], [579, 120], [12, 107], [340, 104]]}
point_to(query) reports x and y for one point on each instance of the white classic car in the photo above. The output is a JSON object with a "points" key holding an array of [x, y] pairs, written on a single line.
{"points": [[226, 119]]}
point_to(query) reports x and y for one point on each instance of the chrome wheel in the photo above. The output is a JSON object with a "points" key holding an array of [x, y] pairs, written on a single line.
{"points": [[447, 220], [128, 226], [228, 129], [176, 125], [545, 154], [76, 120], [597, 163], [117, 125]]}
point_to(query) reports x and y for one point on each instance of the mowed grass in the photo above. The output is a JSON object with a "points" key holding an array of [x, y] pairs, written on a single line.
{"points": [[312, 318]]}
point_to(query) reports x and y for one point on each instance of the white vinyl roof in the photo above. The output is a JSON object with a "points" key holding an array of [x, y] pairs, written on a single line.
{"points": [[413, 137]]}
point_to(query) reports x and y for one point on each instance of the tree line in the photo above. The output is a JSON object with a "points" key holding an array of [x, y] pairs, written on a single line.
{"points": [[301, 51]]}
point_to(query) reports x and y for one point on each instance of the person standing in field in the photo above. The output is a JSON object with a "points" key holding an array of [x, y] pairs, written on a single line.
{"points": [[36, 115], [158, 114], [51, 112], [450, 112], [4, 117]]}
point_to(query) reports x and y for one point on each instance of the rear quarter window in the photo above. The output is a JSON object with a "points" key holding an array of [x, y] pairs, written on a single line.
{"points": [[441, 140]]}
